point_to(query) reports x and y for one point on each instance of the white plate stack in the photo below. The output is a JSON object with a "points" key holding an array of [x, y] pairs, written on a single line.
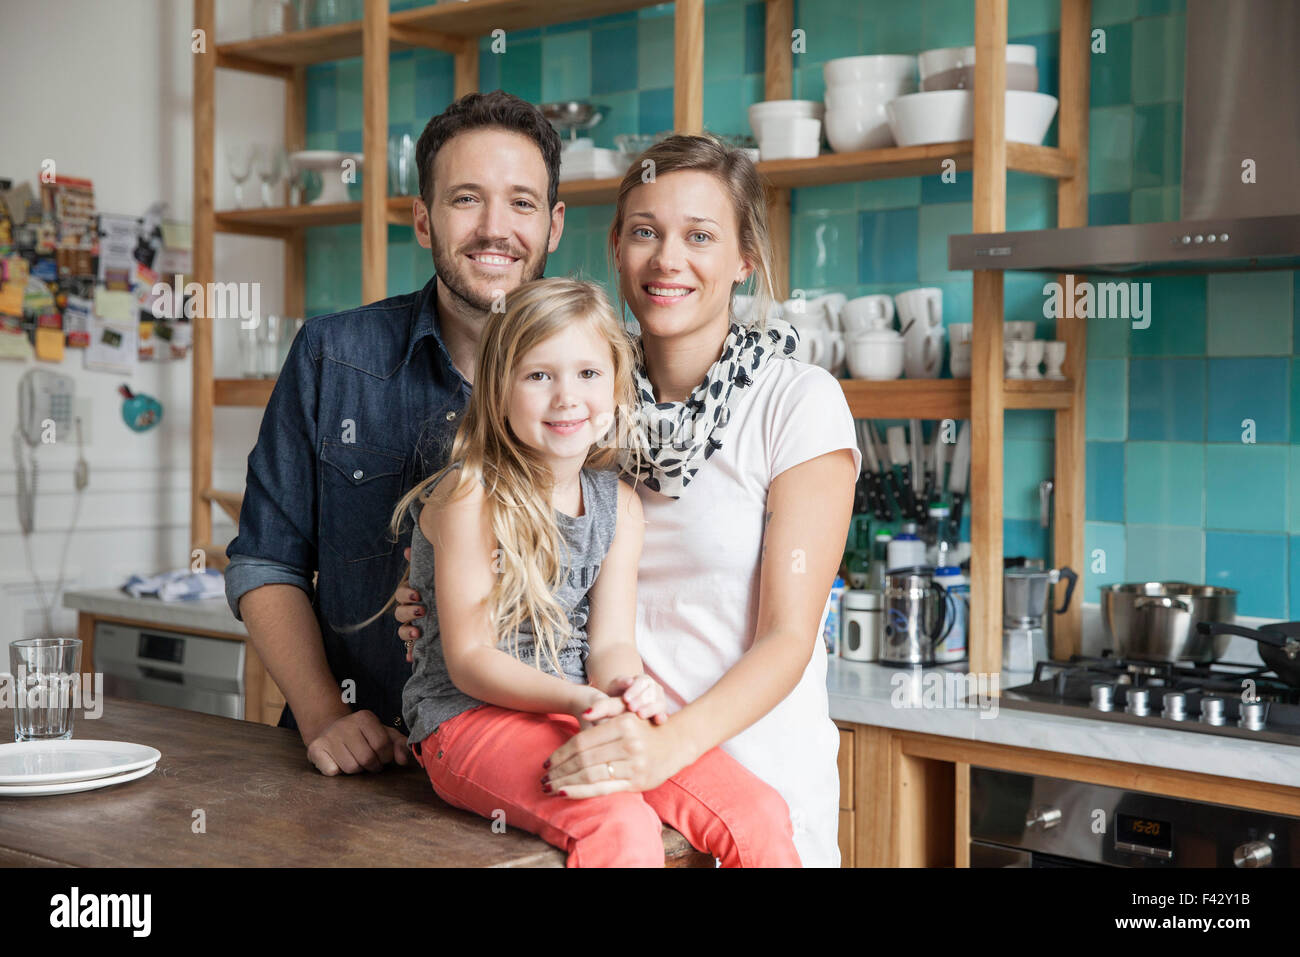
{"points": [[858, 89], [34, 768]]}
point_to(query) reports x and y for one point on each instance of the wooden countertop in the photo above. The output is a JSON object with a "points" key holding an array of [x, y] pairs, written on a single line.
{"points": [[264, 805]]}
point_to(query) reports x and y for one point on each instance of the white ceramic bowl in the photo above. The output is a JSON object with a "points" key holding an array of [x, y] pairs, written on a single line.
{"points": [[780, 110], [950, 58], [877, 356], [1019, 76], [857, 95], [854, 68], [945, 116], [796, 137], [850, 129]]}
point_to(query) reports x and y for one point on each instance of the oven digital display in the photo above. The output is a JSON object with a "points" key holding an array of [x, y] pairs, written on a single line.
{"points": [[1144, 831], [162, 648]]}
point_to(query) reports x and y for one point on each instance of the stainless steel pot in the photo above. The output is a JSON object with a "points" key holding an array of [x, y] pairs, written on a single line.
{"points": [[1156, 621]]}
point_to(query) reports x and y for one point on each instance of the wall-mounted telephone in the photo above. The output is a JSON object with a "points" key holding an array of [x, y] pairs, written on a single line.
{"points": [[45, 415]]}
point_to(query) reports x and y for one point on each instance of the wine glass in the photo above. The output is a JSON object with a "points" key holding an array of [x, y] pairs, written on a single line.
{"points": [[269, 164], [239, 160]]}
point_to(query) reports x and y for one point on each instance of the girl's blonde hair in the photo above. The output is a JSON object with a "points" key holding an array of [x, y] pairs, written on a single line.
{"points": [[738, 176], [532, 557]]}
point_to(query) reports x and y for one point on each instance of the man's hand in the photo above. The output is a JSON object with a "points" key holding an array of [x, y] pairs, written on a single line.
{"points": [[357, 742], [407, 610]]}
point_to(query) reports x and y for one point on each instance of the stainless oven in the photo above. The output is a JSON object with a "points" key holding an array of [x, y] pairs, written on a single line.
{"points": [[1021, 820], [170, 668]]}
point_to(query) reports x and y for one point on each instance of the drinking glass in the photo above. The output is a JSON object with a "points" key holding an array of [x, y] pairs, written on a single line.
{"points": [[250, 360], [268, 346], [239, 160], [46, 674], [269, 163]]}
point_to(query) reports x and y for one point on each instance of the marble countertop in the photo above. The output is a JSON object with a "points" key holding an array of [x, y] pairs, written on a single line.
{"points": [[930, 701], [207, 614]]}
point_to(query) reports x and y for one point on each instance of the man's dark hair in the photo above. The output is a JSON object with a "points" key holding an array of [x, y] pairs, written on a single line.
{"points": [[486, 110]]}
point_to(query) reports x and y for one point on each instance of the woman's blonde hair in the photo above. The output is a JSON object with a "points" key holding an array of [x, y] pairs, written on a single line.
{"points": [[532, 557], [743, 185]]}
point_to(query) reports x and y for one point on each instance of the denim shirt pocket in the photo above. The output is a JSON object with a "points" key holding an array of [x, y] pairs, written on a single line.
{"points": [[360, 487]]}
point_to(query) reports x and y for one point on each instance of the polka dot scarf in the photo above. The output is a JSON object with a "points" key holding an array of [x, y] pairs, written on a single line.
{"points": [[675, 439]]}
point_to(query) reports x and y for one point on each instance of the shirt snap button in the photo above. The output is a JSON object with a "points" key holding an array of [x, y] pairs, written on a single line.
{"points": [[358, 474], [450, 416]]}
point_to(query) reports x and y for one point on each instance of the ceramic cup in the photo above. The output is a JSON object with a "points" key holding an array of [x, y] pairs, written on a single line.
{"points": [[1034, 358], [1013, 350], [1022, 330], [876, 355], [831, 305], [920, 314], [805, 313], [1054, 356], [867, 314], [832, 351], [960, 332], [959, 359]]}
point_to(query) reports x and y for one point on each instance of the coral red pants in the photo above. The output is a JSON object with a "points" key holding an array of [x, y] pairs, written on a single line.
{"points": [[489, 760]]}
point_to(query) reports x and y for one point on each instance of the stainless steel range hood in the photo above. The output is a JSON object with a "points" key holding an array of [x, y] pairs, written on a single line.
{"points": [[1241, 163]]}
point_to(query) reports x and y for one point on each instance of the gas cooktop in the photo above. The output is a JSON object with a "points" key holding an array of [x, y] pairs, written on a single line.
{"points": [[1241, 701]]}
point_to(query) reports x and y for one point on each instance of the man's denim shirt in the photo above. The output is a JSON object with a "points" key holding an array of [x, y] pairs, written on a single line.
{"points": [[365, 407]]}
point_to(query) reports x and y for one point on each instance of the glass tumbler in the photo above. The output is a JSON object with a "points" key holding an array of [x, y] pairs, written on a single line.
{"points": [[47, 679]]}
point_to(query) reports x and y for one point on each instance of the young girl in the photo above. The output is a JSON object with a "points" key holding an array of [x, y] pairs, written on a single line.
{"points": [[532, 632]]}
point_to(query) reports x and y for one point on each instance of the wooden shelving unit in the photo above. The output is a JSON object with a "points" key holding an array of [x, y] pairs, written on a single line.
{"points": [[456, 28]]}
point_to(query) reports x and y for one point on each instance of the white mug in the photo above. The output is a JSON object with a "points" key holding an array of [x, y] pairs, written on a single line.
{"points": [[876, 355], [805, 314], [960, 332], [830, 353], [867, 314], [920, 313], [830, 304]]}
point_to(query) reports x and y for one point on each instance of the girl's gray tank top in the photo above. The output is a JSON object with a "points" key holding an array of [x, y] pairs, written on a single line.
{"points": [[429, 697]]}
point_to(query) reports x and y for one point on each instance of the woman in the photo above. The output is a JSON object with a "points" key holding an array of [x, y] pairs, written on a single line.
{"points": [[747, 497]]}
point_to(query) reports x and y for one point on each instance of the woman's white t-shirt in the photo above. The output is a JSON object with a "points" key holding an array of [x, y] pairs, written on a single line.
{"points": [[698, 588]]}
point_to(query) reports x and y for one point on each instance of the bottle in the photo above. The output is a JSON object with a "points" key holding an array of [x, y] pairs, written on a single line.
{"points": [[831, 630], [879, 562], [907, 549], [953, 648], [938, 544]]}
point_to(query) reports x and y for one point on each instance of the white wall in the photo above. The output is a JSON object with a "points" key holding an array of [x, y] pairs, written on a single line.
{"points": [[104, 87]]}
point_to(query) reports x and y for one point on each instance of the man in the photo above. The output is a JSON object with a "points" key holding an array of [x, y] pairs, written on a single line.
{"points": [[365, 407]]}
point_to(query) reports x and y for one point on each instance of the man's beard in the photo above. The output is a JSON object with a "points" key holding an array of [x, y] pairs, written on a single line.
{"points": [[452, 272]]}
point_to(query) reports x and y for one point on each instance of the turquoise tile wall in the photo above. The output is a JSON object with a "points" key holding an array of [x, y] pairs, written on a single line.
{"points": [[1191, 469]]}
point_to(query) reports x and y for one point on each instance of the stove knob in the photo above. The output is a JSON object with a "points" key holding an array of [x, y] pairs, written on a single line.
{"points": [[1212, 710], [1252, 716], [1046, 816], [1253, 854], [1175, 706], [1138, 702], [1103, 697]]}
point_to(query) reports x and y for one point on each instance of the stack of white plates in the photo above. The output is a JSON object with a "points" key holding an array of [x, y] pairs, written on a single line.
{"points": [[32, 768], [787, 129], [580, 159]]}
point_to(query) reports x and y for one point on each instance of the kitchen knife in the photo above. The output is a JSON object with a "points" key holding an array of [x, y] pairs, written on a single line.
{"points": [[902, 489], [958, 478]]}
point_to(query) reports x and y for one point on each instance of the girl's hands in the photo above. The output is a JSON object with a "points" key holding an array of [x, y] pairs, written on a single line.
{"points": [[592, 706], [643, 696], [408, 609]]}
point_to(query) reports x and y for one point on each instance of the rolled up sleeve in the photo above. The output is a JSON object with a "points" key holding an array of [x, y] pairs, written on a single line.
{"points": [[277, 540]]}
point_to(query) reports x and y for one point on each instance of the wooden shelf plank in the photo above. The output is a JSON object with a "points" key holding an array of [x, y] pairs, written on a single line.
{"points": [[1038, 393], [338, 41], [276, 220], [246, 392], [908, 398], [476, 18]]}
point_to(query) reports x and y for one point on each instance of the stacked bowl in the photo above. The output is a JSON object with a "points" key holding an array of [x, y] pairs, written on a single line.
{"points": [[787, 129], [858, 89], [944, 111]]}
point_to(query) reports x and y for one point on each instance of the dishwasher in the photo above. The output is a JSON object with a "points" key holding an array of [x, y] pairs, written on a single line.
{"points": [[193, 672]]}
